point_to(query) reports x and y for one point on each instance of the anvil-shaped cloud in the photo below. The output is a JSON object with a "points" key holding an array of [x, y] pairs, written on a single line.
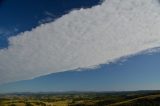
{"points": [[83, 38]]}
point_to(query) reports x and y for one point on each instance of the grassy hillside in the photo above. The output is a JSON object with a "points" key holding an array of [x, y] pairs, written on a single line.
{"points": [[150, 100]]}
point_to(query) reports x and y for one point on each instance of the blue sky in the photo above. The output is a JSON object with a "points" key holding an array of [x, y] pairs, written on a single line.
{"points": [[140, 72], [19, 16], [47, 37]]}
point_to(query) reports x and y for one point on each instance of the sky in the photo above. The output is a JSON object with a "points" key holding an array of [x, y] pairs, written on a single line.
{"points": [[140, 72], [38, 38], [18, 16]]}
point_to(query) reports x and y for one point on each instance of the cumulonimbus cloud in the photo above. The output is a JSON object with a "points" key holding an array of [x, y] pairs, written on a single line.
{"points": [[83, 38]]}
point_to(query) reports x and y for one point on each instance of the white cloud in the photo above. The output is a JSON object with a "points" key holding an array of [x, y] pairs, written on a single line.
{"points": [[83, 38], [5, 32], [49, 18], [46, 20]]}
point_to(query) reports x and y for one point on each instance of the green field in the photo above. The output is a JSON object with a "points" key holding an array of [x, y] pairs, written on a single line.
{"points": [[139, 98]]}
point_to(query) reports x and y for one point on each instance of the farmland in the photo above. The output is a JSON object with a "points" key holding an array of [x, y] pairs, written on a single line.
{"points": [[136, 98]]}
